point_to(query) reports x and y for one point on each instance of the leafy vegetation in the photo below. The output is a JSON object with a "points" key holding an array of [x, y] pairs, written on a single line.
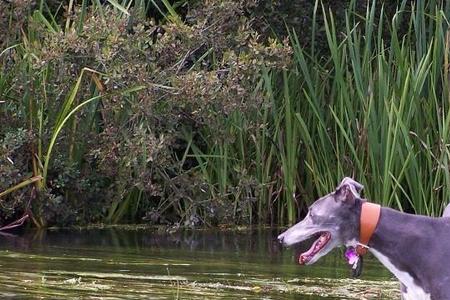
{"points": [[198, 116], [102, 98]]}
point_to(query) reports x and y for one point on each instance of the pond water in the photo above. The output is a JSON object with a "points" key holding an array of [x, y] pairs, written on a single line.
{"points": [[152, 264]]}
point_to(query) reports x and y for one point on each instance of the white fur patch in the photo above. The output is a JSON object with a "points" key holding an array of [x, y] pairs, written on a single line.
{"points": [[413, 292], [352, 243]]}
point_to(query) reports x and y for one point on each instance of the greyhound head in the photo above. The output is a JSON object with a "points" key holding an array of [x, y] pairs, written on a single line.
{"points": [[334, 218]]}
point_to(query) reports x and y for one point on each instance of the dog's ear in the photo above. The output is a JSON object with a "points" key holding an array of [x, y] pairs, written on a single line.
{"points": [[348, 190]]}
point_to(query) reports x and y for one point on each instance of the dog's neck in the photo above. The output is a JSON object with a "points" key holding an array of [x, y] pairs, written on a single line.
{"points": [[395, 233], [398, 244]]}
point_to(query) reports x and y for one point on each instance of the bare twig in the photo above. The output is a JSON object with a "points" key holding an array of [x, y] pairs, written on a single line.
{"points": [[16, 223]]}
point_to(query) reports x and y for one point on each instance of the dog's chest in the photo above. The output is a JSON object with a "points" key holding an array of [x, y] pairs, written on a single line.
{"points": [[413, 291], [415, 294]]}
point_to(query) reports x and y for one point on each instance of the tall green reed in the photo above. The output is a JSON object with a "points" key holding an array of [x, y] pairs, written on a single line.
{"points": [[381, 112]]}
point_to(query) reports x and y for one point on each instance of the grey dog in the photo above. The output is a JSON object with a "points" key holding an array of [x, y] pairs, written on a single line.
{"points": [[414, 248]]}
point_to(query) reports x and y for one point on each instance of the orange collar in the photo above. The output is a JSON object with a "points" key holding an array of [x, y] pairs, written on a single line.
{"points": [[370, 215]]}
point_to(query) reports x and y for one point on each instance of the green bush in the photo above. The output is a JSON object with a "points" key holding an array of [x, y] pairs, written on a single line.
{"points": [[122, 157]]}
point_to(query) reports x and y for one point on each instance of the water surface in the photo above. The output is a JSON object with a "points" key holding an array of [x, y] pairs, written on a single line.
{"points": [[151, 264]]}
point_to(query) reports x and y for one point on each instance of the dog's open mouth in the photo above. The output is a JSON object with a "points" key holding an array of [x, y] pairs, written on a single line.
{"points": [[318, 245]]}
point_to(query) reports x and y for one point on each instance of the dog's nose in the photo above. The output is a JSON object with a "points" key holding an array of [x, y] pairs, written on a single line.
{"points": [[280, 238]]}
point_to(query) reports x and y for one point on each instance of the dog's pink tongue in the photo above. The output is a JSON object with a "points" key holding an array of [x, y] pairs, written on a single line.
{"points": [[306, 256], [316, 246], [302, 259]]}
